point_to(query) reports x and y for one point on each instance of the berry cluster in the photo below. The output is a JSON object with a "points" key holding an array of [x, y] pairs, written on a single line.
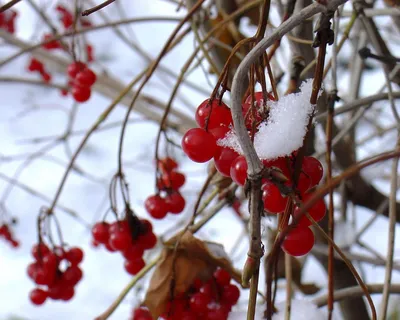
{"points": [[212, 300], [169, 183], [52, 45], [7, 20], [36, 65], [214, 120], [6, 233], [58, 271], [81, 79], [117, 236]]}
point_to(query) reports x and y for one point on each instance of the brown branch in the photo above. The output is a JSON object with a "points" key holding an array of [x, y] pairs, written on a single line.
{"points": [[97, 8], [8, 5]]}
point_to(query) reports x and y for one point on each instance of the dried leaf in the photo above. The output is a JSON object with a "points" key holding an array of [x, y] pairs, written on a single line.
{"points": [[192, 259]]}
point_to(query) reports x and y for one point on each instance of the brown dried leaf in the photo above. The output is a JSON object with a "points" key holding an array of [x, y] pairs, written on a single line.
{"points": [[193, 259]]}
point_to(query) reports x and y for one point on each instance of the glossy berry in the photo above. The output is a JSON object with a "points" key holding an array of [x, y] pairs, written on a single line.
{"points": [[120, 240], [175, 202], [230, 294], [199, 302], [317, 211], [222, 277], [81, 94], [217, 114], [134, 266], [85, 78], [173, 180], [313, 168], [238, 171], [74, 68], [100, 232], [299, 241], [274, 202], [142, 314], [156, 207], [74, 255], [223, 160], [199, 145], [38, 296], [147, 240]]}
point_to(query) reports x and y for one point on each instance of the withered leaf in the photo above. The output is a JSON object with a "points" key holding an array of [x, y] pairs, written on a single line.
{"points": [[192, 259]]}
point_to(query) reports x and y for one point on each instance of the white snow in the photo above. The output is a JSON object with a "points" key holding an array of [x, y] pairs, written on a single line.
{"points": [[300, 310], [285, 128]]}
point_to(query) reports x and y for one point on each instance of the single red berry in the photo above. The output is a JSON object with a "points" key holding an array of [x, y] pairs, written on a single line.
{"points": [[133, 252], [64, 92], [199, 145], [156, 206], [134, 266], [147, 241], [317, 211], [142, 314], [67, 293], [175, 202], [67, 20], [35, 65], [222, 277], [213, 113], [304, 183], [39, 251], [100, 232], [313, 168], [218, 312], [299, 241], [81, 94], [223, 160], [238, 171], [43, 275], [173, 180], [74, 255], [38, 296], [274, 202], [119, 226], [230, 294], [55, 291], [74, 68], [167, 164], [72, 275], [199, 302], [279, 163], [145, 226], [120, 240], [85, 78]]}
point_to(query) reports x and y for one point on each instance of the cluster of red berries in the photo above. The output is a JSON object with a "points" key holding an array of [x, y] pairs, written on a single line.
{"points": [[36, 65], [7, 20], [169, 183], [211, 300], [46, 271], [6, 233], [117, 236], [214, 120], [81, 79]]}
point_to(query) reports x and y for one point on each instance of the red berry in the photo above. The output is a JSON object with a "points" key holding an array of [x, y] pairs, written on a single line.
{"points": [[222, 277], [146, 226], [167, 164], [280, 163], [259, 98], [85, 78], [199, 302], [72, 275], [223, 160], [100, 232], [119, 226], [215, 113], [81, 94], [39, 251], [74, 68], [230, 294], [120, 240], [317, 211], [299, 241], [109, 248], [313, 168], [238, 171], [304, 183], [219, 312], [274, 202], [67, 293], [175, 202], [50, 261], [142, 314], [173, 180], [199, 145], [156, 207], [74, 255], [56, 291], [133, 252], [38, 296], [134, 266], [35, 65], [147, 240]]}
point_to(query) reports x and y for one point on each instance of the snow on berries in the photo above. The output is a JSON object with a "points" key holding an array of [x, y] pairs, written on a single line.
{"points": [[55, 272], [168, 199], [118, 236]]}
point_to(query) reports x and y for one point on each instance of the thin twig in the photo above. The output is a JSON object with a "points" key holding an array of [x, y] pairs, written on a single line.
{"points": [[8, 5], [97, 8]]}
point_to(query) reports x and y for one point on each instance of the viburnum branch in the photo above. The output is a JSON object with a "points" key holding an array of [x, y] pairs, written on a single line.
{"points": [[97, 8], [8, 5]]}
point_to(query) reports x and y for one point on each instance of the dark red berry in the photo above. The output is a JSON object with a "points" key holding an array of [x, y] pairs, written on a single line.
{"points": [[74, 68], [38, 296], [100, 232], [175, 202], [74, 255], [238, 171], [85, 78], [313, 168], [199, 145], [39, 251], [299, 241], [134, 266], [230, 294], [199, 302], [81, 94], [222, 277], [147, 240], [120, 240], [273, 200], [317, 211]]}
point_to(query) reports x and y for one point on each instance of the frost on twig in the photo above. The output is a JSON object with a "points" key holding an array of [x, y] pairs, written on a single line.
{"points": [[285, 128]]}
